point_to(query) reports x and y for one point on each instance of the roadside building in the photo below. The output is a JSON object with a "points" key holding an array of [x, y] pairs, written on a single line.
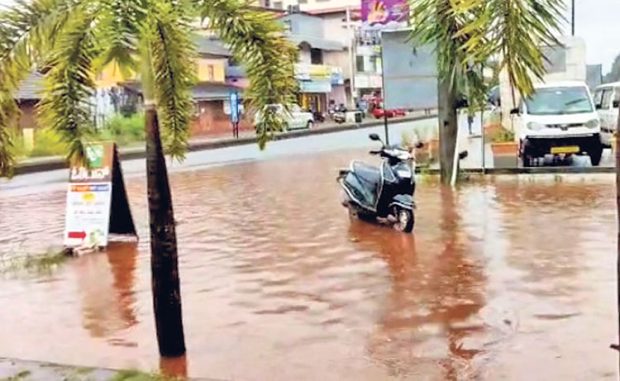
{"points": [[27, 97], [319, 72]]}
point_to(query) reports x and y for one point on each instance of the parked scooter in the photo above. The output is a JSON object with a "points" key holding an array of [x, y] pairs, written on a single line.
{"points": [[384, 194], [340, 114]]}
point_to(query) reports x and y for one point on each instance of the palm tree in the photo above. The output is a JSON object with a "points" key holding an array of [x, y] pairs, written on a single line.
{"points": [[469, 33], [71, 40]]}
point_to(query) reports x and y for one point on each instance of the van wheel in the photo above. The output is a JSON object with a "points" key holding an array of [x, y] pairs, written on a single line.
{"points": [[310, 125]]}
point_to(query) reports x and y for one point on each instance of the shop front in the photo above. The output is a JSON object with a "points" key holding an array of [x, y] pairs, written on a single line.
{"points": [[313, 94], [319, 84]]}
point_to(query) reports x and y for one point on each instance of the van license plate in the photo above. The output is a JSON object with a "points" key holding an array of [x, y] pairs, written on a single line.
{"points": [[569, 149]]}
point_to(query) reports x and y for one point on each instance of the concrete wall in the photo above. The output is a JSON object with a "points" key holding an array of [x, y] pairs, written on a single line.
{"points": [[304, 54], [304, 24], [28, 117], [211, 119], [338, 95]]}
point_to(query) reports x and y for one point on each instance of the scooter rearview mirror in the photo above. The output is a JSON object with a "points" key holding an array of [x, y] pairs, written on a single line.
{"points": [[374, 137]]}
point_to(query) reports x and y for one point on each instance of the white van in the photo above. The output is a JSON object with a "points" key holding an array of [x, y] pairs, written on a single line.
{"points": [[559, 118], [606, 101]]}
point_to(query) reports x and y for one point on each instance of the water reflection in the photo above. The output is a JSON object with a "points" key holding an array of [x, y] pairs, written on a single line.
{"points": [[173, 367], [430, 316], [280, 285], [107, 289]]}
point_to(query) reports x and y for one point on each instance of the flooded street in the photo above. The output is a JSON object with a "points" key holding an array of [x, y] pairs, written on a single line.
{"points": [[501, 281]]}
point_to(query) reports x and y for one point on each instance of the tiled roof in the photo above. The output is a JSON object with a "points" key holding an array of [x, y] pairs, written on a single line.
{"points": [[205, 91], [211, 46], [31, 87]]}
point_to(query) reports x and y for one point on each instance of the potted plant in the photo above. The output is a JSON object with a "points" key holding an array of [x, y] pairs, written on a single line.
{"points": [[420, 147], [433, 147], [505, 149]]}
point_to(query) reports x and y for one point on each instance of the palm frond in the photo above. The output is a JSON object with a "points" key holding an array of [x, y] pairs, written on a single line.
{"points": [[118, 29], [445, 25], [69, 85], [258, 42], [167, 34], [517, 30], [26, 31]]}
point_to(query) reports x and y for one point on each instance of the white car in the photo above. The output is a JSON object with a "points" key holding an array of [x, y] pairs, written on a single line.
{"points": [[294, 117], [606, 101], [559, 118]]}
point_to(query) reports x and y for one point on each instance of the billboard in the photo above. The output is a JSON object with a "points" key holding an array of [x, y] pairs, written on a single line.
{"points": [[380, 14], [409, 73]]}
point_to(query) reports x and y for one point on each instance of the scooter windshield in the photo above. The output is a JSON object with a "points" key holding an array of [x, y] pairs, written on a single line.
{"points": [[364, 187]]}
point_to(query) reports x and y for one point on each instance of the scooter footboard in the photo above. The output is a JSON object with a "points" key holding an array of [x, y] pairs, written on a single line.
{"points": [[404, 201]]}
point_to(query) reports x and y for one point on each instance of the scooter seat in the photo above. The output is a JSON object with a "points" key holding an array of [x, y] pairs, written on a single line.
{"points": [[367, 173]]}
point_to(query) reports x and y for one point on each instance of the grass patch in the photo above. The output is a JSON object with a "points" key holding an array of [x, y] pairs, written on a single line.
{"points": [[43, 263], [124, 130], [23, 375], [136, 375]]}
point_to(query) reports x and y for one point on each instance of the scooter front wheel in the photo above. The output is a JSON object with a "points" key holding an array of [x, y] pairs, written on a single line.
{"points": [[404, 219]]}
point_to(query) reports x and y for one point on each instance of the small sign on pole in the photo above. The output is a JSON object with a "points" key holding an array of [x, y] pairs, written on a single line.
{"points": [[97, 203], [234, 112]]}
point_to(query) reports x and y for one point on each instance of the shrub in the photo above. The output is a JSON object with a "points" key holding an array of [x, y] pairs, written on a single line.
{"points": [[124, 130], [47, 143]]}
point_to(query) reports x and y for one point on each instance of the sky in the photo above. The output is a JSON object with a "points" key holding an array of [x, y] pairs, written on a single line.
{"points": [[597, 22]]}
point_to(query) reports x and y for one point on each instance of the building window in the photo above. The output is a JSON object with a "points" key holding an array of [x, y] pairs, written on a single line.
{"points": [[316, 56], [210, 73], [266, 3], [277, 5], [359, 63]]}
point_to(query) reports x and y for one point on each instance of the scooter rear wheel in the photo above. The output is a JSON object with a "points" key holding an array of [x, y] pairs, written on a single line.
{"points": [[405, 220]]}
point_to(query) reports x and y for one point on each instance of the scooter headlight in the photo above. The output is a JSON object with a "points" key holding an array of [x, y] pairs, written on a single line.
{"points": [[535, 126], [594, 123]]}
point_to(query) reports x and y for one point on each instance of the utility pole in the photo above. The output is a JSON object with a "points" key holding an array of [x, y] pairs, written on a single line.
{"points": [[352, 58], [572, 18]]}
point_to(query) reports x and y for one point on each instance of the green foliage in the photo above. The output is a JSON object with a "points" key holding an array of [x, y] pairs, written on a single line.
{"points": [[33, 263], [469, 34], [167, 35], [47, 142], [69, 83], [503, 135], [26, 31], [123, 130], [514, 31], [135, 375]]}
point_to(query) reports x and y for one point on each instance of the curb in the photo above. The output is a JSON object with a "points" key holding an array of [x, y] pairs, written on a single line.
{"points": [[526, 171], [54, 163]]}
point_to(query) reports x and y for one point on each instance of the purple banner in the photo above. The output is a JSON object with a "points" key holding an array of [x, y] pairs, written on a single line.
{"points": [[382, 13]]}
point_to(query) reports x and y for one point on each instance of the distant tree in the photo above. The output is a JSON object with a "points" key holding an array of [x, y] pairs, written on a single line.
{"points": [[614, 73]]}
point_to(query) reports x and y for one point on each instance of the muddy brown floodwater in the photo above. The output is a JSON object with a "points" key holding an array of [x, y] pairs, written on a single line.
{"points": [[501, 281]]}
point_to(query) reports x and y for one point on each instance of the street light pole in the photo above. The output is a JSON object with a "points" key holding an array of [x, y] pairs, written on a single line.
{"points": [[572, 17]]}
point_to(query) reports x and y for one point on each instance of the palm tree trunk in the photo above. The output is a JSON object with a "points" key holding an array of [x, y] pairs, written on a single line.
{"points": [[164, 259], [448, 126]]}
